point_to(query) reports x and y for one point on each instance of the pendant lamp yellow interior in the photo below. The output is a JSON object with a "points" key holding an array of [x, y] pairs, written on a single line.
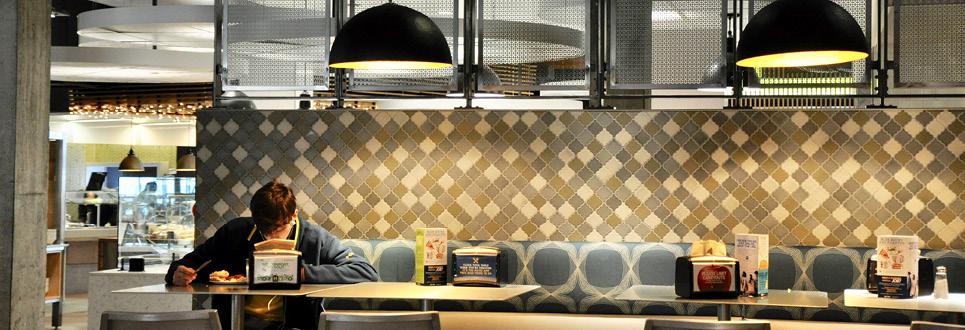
{"points": [[799, 59], [390, 65]]}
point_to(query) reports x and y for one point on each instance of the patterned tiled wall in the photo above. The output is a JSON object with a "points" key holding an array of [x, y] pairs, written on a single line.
{"points": [[831, 178]]}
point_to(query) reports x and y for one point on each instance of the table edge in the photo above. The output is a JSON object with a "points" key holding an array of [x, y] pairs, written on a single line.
{"points": [[335, 285], [528, 288], [621, 297], [863, 292]]}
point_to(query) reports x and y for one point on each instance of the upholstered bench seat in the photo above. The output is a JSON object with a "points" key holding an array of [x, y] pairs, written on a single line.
{"points": [[551, 321], [584, 278], [566, 321]]}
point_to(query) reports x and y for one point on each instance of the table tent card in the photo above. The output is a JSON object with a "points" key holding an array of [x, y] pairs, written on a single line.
{"points": [[897, 266], [431, 256], [751, 251]]}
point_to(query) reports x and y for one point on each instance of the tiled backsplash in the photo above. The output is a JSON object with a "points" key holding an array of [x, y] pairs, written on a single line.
{"points": [[816, 177]]}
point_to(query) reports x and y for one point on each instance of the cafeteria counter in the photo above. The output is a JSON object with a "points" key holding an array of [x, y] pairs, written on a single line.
{"points": [[103, 283]]}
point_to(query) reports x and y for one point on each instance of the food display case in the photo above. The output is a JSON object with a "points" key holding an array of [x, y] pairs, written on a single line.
{"points": [[156, 221]]}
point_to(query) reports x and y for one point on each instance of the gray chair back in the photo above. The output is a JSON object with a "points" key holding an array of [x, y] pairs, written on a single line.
{"points": [[379, 321], [201, 319], [922, 325], [652, 324]]}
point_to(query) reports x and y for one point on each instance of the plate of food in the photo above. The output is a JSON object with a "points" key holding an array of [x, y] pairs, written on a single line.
{"points": [[223, 277]]}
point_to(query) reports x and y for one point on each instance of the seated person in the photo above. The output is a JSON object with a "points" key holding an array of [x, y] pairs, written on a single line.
{"points": [[273, 216]]}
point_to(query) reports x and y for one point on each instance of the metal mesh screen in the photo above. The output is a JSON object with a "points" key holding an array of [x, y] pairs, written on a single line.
{"points": [[667, 43], [276, 44], [858, 72], [442, 12], [930, 43], [534, 44]]}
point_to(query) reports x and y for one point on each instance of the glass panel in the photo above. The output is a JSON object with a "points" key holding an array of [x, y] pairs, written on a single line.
{"points": [[930, 45], [156, 220], [667, 43], [534, 45], [276, 44]]}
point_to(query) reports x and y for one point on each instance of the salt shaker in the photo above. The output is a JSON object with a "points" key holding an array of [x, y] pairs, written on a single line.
{"points": [[941, 283]]}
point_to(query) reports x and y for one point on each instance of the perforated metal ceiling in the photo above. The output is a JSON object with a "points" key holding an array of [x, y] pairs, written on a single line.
{"points": [[276, 44], [930, 48], [539, 44], [667, 44]]}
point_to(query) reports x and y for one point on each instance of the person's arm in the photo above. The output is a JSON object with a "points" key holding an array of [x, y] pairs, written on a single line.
{"points": [[205, 252], [338, 264]]}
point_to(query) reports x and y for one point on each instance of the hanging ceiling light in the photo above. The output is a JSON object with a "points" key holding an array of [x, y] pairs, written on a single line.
{"points": [[390, 36], [186, 163], [130, 163], [231, 101], [794, 33], [487, 79], [713, 76]]}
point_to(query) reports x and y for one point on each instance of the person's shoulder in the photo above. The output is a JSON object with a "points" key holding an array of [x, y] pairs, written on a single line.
{"points": [[312, 230], [239, 224]]}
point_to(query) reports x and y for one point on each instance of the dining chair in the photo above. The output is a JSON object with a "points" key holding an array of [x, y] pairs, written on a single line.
{"points": [[653, 324], [923, 325], [206, 319], [379, 321]]}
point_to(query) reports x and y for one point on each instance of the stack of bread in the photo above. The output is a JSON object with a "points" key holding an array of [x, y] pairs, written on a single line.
{"points": [[708, 248], [224, 276]]}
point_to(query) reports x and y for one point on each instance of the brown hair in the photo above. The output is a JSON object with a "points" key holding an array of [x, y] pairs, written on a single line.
{"points": [[272, 206]]}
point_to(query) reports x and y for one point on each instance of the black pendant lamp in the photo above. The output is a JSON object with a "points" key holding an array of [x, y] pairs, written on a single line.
{"points": [[795, 33], [486, 78], [390, 36], [186, 163], [230, 102], [130, 163]]}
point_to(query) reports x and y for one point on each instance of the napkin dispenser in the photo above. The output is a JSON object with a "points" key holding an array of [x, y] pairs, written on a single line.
{"points": [[707, 277], [478, 266], [275, 270]]}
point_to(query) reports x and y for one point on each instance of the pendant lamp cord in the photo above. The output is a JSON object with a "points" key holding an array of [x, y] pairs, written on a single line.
{"points": [[133, 135]]}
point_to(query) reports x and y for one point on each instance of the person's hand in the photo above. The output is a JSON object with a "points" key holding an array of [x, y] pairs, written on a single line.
{"points": [[184, 276]]}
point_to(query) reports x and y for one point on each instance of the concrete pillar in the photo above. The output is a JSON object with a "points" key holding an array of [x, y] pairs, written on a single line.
{"points": [[24, 114]]}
